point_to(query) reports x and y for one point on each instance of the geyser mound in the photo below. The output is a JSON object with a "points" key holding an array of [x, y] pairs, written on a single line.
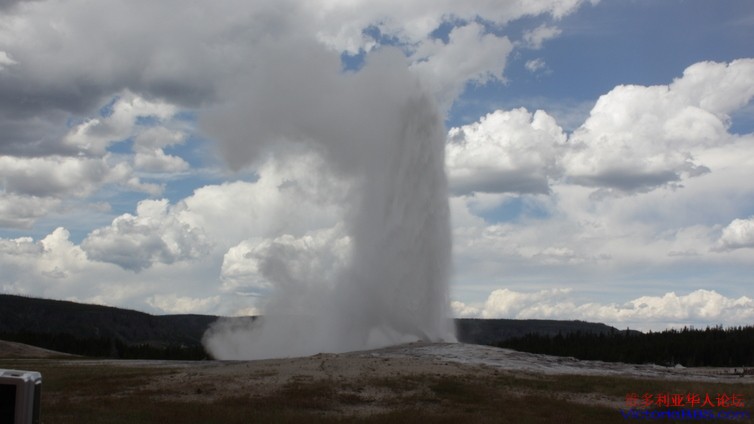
{"points": [[379, 130]]}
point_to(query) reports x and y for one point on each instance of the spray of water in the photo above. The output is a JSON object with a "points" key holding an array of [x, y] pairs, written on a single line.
{"points": [[380, 131]]}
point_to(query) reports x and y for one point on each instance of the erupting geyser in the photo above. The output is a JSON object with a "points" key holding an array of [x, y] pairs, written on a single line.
{"points": [[380, 131]]}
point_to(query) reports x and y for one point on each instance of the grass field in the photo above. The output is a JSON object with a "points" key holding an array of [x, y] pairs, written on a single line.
{"points": [[111, 392]]}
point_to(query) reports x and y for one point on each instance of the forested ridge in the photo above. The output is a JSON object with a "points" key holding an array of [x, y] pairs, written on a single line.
{"points": [[103, 331], [712, 346]]}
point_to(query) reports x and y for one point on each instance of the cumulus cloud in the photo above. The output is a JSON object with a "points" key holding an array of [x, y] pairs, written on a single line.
{"points": [[342, 22], [44, 180], [509, 304], [149, 150], [19, 246], [462, 310], [720, 88], [535, 65], [5, 60], [44, 266], [149, 66], [665, 145], [56, 176], [58, 268], [738, 234], [639, 138], [182, 52], [293, 194], [17, 211], [174, 304], [95, 135], [535, 38], [120, 121], [159, 162], [153, 235], [33, 187], [68, 99], [506, 151], [314, 259], [206, 237], [469, 55], [700, 307]]}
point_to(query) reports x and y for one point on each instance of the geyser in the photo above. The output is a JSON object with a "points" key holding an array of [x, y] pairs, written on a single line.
{"points": [[380, 131]]}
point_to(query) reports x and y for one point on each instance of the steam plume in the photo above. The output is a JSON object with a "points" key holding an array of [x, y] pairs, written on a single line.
{"points": [[380, 131]]}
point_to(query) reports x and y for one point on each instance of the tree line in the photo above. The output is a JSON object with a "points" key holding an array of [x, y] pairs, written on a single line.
{"points": [[107, 346], [712, 346]]}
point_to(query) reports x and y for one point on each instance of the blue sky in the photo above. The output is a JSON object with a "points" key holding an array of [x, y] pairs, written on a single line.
{"points": [[613, 43], [599, 154]]}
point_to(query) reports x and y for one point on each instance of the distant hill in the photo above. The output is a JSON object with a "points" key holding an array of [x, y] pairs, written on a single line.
{"points": [[101, 331], [20, 350], [97, 330], [493, 331], [43, 316]]}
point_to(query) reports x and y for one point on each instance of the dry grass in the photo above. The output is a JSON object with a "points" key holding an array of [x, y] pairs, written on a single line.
{"points": [[122, 392]]}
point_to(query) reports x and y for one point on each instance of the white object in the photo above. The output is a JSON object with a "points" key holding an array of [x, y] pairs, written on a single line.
{"points": [[20, 393]]}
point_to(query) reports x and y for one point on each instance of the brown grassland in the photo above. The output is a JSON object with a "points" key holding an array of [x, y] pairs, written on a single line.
{"points": [[369, 388]]}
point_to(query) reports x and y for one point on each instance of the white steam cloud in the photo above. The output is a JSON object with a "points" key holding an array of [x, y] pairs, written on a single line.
{"points": [[379, 131]]}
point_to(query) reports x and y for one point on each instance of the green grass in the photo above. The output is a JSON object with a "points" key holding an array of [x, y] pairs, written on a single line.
{"points": [[97, 393]]}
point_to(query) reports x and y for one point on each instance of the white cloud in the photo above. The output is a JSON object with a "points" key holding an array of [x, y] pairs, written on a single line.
{"points": [[179, 50], [192, 236], [152, 65], [43, 181], [44, 266], [341, 22], [35, 187], [240, 269], [62, 256], [506, 151], [668, 146], [461, 310], [54, 176], [158, 137], [19, 211], [95, 135], [720, 88], [737, 235], [505, 303], [173, 304], [197, 237], [535, 38], [535, 65], [19, 246], [55, 267], [312, 260], [154, 235], [150, 156], [681, 176], [699, 307], [293, 195], [640, 138], [5, 60], [470, 55], [159, 162]]}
